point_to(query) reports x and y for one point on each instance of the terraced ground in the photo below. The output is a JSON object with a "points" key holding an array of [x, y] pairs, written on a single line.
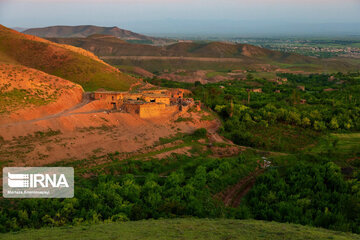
{"points": [[183, 229]]}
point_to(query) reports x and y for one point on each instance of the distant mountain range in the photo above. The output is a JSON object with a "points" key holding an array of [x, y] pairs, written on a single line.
{"points": [[88, 30], [114, 42]]}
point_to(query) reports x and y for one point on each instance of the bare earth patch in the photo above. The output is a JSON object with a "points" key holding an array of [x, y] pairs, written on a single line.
{"points": [[88, 132], [184, 150]]}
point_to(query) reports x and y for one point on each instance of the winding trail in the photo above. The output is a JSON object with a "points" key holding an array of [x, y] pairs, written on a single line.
{"points": [[214, 136], [233, 195]]}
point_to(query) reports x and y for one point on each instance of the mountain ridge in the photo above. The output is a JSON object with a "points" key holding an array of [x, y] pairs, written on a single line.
{"points": [[83, 31], [110, 46]]}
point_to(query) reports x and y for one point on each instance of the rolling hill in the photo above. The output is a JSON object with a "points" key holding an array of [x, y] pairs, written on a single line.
{"points": [[27, 93], [184, 229], [237, 56], [102, 45], [88, 30], [105, 45], [110, 46], [68, 62]]}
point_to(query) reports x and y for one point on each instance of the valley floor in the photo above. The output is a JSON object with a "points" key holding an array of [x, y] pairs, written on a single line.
{"points": [[183, 229]]}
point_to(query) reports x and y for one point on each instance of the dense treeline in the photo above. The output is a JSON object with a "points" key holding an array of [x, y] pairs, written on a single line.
{"points": [[295, 111], [308, 194], [188, 191], [305, 192], [289, 117]]}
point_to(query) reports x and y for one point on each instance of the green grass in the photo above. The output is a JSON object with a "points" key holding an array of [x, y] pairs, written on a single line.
{"points": [[181, 119], [21, 98], [214, 74], [348, 142], [125, 68], [356, 45], [282, 138], [343, 148], [266, 75], [207, 117], [182, 229], [344, 143]]}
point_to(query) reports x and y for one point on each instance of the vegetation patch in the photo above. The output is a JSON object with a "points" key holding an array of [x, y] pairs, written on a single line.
{"points": [[185, 228]]}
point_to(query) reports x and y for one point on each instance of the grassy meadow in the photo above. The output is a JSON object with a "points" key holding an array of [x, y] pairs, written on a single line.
{"points": [[218, 229]]}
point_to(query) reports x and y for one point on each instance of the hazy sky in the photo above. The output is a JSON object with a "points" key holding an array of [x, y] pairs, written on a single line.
{"points": [[239, 17]]}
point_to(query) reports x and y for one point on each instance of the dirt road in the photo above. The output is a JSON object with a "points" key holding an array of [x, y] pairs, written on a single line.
{"points": [[234, 194], [86, 100]]}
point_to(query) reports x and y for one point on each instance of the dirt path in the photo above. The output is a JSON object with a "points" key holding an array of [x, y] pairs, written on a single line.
{"points": [[86, 100], [233, 195], [201, 59], [134, 85], [214, 136]]}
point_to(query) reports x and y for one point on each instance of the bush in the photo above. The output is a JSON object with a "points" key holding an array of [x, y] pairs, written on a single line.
{"points": [[200, 133]]}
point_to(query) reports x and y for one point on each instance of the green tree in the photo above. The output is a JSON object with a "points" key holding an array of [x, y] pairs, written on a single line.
{"points": [[305, 122], [334, 124]]}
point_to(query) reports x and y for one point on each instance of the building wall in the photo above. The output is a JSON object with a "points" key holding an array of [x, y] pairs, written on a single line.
{"points": [[132, 108], [132, 96], [150, 110], [107, 96], [164, 100], [158, 91], [258, 90], [176, 93], [146, 104]]}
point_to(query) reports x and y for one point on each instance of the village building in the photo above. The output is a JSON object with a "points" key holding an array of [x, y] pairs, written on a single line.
{"points": [[156, 98], [279, 80], [331, 78], [301, 88], [329, 90], [146, 104], [257, 90]]}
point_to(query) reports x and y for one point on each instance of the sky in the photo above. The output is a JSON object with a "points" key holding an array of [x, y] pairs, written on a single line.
{"points": [[191, 17]]}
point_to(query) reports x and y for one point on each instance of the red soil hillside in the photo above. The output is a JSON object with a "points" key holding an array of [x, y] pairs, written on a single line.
{"points": [[27, 93], [68, 62]]}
